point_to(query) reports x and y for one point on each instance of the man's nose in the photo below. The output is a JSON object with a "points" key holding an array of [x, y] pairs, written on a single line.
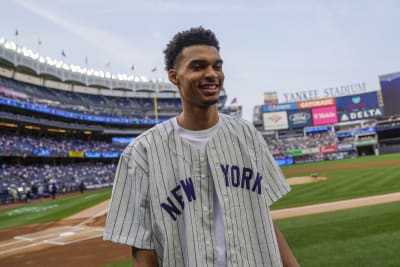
{"points": [[211, 73]]}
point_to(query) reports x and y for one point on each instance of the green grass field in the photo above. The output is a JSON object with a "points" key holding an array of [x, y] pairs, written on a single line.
{"points": [[51, 210], [359, 237], [366, 236], [343, 183]]}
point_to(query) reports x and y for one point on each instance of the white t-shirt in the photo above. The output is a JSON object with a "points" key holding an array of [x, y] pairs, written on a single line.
{"points": [[199, 139]]}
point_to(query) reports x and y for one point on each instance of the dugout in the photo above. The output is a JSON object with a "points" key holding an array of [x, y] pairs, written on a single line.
{"points": [[366, 145], [389, 135]]}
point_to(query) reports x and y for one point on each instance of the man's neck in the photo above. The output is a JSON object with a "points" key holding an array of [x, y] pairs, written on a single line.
{"points": [[198, 119]]}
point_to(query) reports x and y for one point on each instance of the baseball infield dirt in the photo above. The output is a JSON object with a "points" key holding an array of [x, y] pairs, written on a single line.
{"points": [[76, 241]]}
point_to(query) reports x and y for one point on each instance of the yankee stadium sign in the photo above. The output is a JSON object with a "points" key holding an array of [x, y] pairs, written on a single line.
{"points": [[342, 90]]}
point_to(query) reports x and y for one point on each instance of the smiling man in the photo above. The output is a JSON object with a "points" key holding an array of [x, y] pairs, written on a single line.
{"points": [[196, 189]]}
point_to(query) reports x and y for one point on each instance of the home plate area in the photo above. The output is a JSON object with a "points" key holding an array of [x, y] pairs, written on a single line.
{"points": [[62, 235]]}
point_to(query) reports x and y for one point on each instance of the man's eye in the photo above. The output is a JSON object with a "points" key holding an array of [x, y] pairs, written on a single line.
{"points": [[218, 67], [196, 67]]}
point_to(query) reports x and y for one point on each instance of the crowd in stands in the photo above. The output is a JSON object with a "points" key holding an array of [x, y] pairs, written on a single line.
{"points": [[24, 182], [87, 104], [310, 140], [11, 144]]}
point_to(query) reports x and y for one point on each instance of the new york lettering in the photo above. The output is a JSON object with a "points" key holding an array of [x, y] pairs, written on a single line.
{"points": [[234, 176], [170, 206], [242, 177]]}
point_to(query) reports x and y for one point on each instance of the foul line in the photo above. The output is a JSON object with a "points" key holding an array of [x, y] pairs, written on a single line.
{"points": [[333, 206]]}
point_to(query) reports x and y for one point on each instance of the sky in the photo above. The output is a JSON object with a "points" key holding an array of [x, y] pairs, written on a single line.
{"points": [[282, 46]]}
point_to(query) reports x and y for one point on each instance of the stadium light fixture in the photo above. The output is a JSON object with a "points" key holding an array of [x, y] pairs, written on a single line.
{"points": [[35, 56], [74, 68], [10, 45], [50, 61]]}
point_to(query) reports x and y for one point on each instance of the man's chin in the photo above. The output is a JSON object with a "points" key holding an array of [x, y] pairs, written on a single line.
{"points": [[211, 102]]}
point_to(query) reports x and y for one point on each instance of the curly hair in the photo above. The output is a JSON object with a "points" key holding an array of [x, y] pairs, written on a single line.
{"points": [[193, 36]]}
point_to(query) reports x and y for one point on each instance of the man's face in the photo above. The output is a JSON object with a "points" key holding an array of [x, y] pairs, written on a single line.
{"points": [[198, 75]]}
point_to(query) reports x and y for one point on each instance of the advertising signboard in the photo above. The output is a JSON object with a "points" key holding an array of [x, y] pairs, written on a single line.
{"points": [[275, 120], [328, 149], [323, 102], [285, 161], [365, 142], [299, 118], [360, 115], [359, 102], [91, 154], [41, 152], [324, 115], [294, 152], [311, 150], [271, 97], [278, 107], [345, 147], [76, 154]]}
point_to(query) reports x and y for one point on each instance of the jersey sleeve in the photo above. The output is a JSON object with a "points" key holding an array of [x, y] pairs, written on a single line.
{"points": [[129, 216], [275, 184]]}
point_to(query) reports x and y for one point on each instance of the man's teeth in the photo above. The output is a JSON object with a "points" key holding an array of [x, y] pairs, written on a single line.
{"points": [[209, 86]]}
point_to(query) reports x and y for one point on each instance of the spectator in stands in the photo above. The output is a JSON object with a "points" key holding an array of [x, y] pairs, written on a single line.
{"points": [[53, 190], [82, 186]]}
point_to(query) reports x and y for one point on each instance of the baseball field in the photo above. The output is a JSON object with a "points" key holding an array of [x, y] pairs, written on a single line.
{"points": [[355, 220]]}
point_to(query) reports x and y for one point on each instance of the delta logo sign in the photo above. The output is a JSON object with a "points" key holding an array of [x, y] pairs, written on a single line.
{"points": [[361, 114]]}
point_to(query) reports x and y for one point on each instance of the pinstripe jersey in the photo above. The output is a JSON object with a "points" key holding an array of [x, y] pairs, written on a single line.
{"points": [[163, 196]]}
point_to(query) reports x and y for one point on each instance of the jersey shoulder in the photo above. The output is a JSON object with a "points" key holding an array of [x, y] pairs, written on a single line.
{"points": [[235, 124], [157, 133]]}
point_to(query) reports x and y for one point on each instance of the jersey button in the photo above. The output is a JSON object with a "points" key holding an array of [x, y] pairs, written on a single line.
{"points": [[203, 175], [205, 208], [202, 158]]}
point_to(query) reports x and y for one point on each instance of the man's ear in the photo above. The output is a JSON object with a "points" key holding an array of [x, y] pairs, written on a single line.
{"points": [[172, 76]]}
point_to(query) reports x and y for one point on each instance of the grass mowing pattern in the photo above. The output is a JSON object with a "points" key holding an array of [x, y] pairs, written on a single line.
{"points": [[344, 183], [367, 236], [364, 159], [51, 210]]}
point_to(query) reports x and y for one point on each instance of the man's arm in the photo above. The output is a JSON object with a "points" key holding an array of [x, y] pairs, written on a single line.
{"points": [[288, 259], [144, 257]]}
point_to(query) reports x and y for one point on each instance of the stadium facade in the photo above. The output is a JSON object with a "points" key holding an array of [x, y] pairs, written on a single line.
{"points": [[332, 128]]}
